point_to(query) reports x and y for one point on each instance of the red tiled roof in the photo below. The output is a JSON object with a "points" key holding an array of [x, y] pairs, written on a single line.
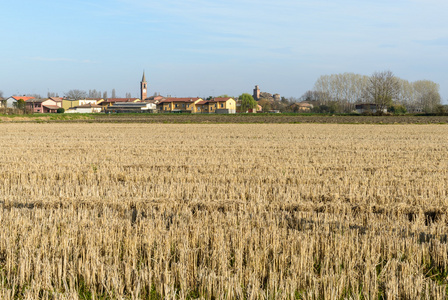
{"points": [[214, 100], [154, 98], [121, 99], [51, 106], [220, 99], [39, 100], [24, 98], [179, 100]]}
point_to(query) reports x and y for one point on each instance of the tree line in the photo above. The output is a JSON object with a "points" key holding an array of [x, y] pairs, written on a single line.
{"points": [[77, 94], [81, 94], [343, 91], [339, 93]]}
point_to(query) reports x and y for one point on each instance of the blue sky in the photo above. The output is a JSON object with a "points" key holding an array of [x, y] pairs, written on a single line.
{"points": [[202, 48]]}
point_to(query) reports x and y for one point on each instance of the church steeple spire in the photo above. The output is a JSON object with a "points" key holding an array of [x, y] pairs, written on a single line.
{"points": [[143, 88]]}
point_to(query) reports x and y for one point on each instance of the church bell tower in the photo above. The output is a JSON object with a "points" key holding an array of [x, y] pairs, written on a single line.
{"points": [[143, 88]]}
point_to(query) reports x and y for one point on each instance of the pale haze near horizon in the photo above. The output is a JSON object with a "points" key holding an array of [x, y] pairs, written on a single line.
{"points": [[209, 48]]}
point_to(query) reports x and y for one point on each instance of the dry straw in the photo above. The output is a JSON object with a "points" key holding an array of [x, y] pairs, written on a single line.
{"points": [[138, 211]]}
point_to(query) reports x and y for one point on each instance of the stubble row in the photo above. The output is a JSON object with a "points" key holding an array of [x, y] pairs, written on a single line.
{"points": [[229, 211]]}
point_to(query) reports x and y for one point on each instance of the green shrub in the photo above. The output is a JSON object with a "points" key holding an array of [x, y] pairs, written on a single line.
{"points": [[397, 109]]}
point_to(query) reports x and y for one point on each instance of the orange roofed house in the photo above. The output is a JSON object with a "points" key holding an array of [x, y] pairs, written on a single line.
{"points": [[11, 102]]}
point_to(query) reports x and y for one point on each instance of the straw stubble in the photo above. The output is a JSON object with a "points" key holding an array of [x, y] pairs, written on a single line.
{"points": [[151, 211]]}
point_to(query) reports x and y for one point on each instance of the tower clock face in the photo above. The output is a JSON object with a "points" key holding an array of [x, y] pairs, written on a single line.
{"points": [[144, 90]]}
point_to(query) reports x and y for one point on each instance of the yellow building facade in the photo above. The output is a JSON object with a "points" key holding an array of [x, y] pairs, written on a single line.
{"points": [[198, 105], [68, 103], [179, 104]]}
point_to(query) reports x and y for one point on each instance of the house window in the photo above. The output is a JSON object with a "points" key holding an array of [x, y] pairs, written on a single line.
{"points": [[176, 105], [222, 105]]}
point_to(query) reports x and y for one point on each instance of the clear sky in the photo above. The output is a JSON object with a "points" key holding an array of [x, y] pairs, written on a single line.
{"points": [[213, 47]]}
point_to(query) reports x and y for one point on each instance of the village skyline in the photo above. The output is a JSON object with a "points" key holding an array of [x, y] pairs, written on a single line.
{"points": [[210, 48]]}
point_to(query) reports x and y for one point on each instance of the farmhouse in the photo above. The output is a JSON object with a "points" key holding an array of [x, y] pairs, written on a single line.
{"points": [[222, 105], [301, 107], [179, 105], [42, 105], [11, 102]]}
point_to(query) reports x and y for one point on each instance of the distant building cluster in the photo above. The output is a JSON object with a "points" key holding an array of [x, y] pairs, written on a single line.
{"points": [[151, 104], [258, 95], [156, 103]]}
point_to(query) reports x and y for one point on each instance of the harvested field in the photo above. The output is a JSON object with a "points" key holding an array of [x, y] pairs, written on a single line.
{"points": [[171, 118], [269, 118], [223, 211]]}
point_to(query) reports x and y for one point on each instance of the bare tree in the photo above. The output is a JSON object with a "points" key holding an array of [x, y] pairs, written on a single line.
{"points": [[406, 95], [346, 89], [76, 94], [52, 94], [114, 95], [313, 97], [128, 95], [427, 95], [94, 94], [1, 94], [37, 96], [105, 95], [382, 89]]}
